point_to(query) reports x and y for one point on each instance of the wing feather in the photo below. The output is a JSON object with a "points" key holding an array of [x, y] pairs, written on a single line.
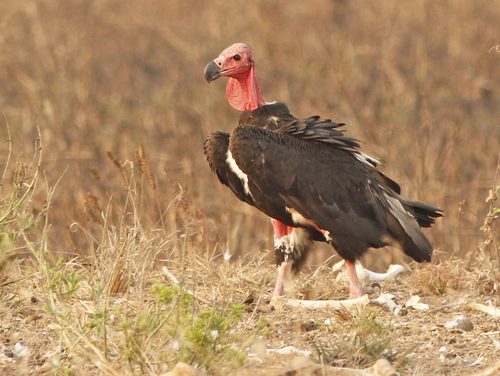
{"points": [[326, 185]]}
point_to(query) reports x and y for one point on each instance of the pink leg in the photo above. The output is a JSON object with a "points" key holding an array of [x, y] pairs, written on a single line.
{"points": [[281, 230], [356, 290], [283, 272]]}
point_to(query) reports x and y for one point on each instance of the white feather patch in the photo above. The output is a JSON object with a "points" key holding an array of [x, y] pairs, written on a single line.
{"points": [[299, 218], [327, 236], [234, 167], [396, 206], [297, 239], [367, 159]]}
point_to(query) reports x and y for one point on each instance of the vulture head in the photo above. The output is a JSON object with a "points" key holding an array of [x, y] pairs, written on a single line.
{"points": [[237, 63], [234, 61]]}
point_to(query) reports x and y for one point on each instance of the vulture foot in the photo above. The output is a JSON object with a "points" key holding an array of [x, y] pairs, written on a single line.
{"points": [[358, 295], [368, 275]]}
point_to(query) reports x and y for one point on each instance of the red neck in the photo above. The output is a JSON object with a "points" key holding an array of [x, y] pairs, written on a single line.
{"points": [[243, 92]]}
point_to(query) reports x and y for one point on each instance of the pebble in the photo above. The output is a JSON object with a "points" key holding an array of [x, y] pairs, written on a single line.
{"points": [[182, 369], [460, 322], [414, 302]]}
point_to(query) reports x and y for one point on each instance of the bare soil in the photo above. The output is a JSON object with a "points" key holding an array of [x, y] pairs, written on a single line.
{"points": [[418, 341]]}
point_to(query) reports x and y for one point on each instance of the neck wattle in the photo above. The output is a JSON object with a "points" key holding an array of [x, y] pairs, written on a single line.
{"points": [[243, 92]]}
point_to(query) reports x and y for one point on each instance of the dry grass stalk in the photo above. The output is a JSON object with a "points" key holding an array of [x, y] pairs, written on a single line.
{"points": [[144, 163], [139, 162], [121, 167], [495, 312], [90, 212], [9, 152], [71, 241], [95, 208], [114, 160], [95, 174]]}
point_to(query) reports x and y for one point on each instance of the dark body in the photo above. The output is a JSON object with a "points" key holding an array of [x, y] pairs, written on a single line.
{"points": [[307, 174]]}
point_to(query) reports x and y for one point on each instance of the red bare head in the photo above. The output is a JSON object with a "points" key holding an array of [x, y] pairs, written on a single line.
{"points": [[237, 63]]}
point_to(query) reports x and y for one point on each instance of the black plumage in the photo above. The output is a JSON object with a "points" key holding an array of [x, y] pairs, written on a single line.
{"points": [[307, 174]]}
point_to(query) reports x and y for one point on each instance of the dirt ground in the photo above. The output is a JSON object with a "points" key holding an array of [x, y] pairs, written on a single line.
{"points": [[417, 342]]}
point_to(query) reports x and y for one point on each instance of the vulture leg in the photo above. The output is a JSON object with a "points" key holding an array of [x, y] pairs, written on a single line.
{"points": [[291, 247], [356, 290], [284, 269]]}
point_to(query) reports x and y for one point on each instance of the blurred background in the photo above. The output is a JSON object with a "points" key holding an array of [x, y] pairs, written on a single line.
{"points": [[417, 82]]}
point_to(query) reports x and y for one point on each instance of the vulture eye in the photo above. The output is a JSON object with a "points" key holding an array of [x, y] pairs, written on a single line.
{"points": [[237, 57]]}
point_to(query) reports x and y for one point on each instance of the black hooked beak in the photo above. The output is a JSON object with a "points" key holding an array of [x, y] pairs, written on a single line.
{"points": [[212, 72]]}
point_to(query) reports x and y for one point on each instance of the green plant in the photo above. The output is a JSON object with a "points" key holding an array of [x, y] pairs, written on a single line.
{"points": [[16, 206], [209, 339]]}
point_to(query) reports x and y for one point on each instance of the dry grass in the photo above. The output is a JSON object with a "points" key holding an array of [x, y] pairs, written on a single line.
{"points": [[115, 91]]}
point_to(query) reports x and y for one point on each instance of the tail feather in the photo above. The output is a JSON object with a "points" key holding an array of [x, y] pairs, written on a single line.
{"points": [[424, 214], [404, 226]]}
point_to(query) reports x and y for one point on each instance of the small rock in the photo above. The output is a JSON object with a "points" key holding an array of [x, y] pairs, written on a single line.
{"points": [[309, 325], [460, 322], [414, 302], [214, 334], [329, 321], [383, 368], [20, 351], [182, 369]]}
